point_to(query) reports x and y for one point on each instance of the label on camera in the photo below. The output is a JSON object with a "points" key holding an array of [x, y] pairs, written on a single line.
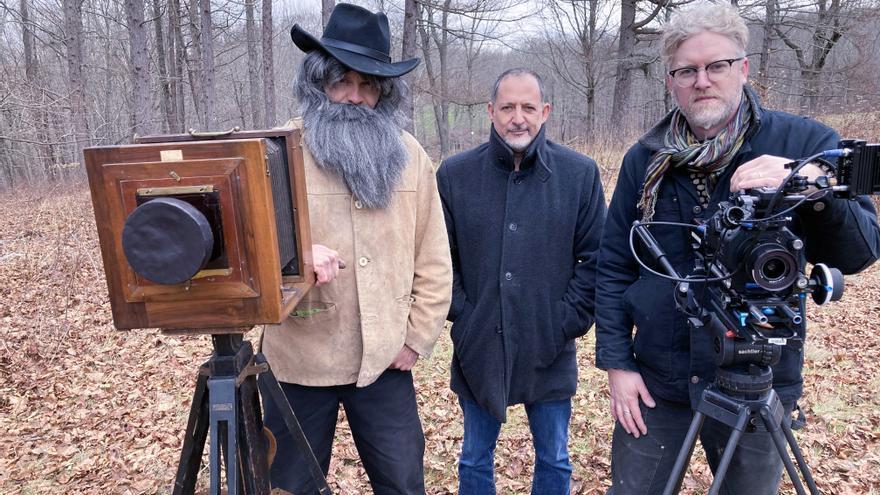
{"points": [[777, 341], [171, 155]]}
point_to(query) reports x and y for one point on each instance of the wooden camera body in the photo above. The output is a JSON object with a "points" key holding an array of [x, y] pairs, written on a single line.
{"points": [[203, 232]]}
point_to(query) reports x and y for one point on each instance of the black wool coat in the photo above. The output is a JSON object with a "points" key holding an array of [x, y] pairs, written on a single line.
{"points": [[675, 362], [524, 248]]}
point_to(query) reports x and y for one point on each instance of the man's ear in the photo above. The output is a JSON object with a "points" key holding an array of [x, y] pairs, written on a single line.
{"points": [[545, 112]]}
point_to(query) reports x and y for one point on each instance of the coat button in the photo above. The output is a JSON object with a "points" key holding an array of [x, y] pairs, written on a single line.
{"points": [[695, 379], [508, 276], [518, 180], [498, 329], [697, 210], [512, 226], [358, 204], [363, 261]]}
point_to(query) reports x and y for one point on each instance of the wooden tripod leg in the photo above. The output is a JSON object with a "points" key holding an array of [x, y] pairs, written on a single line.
{"points": [[193, 440], [252, 445]]}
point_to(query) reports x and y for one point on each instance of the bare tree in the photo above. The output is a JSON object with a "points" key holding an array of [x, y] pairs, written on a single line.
{"points": [[166, 102], [255, 91], [177, 117], [73, 42], [573, 35], [268, 64], [139, 109], [822, 25], [437, 32], [209, 94], [627, 58], [408, 51]]}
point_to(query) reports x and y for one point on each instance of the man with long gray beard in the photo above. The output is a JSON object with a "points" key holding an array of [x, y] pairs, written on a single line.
{"points": [[373, 202]]}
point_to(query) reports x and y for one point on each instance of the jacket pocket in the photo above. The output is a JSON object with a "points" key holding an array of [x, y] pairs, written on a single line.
{"points": [[461, 326], [405, 302], [550, 346], [313, 311]]}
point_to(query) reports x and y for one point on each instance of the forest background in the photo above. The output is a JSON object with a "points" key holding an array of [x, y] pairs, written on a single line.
{"points": [[86, 409]]}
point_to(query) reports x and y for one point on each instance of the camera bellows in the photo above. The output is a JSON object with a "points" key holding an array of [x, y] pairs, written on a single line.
{"points": [[167, 240]]}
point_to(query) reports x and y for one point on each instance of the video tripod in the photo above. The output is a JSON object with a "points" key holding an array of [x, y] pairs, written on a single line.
{"points": [[226, 402]]}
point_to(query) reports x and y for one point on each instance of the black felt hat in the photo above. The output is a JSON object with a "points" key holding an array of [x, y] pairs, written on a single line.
{"points": [[359, 39]]}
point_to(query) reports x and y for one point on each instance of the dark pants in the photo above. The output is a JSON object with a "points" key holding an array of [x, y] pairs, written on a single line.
{"points": [[384, 422], [643, 465]]}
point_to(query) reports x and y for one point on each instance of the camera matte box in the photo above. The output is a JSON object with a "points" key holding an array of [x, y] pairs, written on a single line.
{"points": [[251, 187]]}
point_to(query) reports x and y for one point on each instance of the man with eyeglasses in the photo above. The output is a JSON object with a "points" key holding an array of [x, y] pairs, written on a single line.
{"points": [[718, 140]]}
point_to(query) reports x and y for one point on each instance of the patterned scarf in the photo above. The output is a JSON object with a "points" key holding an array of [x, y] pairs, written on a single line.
{"points": [[682, 149]]}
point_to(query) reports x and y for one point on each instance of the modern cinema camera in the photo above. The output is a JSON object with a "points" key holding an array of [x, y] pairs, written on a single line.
{"points": [[749, 281]]}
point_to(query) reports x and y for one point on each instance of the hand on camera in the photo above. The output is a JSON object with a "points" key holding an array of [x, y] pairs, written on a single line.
{"points": [[627, 387], [405, 359], [767, 171], [327, 264]]}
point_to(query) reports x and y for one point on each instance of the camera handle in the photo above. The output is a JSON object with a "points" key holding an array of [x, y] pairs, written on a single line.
{"points": [[725, 401], [226, 402]]}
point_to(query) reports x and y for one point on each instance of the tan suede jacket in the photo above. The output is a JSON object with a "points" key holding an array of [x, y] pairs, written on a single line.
{"points": [[395, 290]]}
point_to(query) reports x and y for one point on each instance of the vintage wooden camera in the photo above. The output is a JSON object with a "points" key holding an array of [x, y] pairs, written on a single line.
{"points": [[203, 231]]}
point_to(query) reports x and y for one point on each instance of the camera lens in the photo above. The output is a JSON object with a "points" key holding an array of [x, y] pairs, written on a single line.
{"points": [[773, 268]]}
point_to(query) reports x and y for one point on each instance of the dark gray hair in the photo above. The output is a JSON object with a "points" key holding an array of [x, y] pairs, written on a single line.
{"points": [[319, 70], [518, 71], [719, 18]]}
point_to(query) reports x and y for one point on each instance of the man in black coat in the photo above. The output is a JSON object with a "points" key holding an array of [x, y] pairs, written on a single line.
{"points": [[524, 217], [718, 140]]}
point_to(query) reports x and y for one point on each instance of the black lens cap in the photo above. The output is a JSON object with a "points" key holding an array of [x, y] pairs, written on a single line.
{"points": [[167, 240]]}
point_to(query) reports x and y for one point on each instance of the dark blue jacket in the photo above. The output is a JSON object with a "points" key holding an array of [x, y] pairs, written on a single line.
{"points": [[675, 363], [524, 247]]}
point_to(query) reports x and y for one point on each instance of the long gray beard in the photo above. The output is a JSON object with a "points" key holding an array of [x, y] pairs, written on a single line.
{"points": [[359, 143]]}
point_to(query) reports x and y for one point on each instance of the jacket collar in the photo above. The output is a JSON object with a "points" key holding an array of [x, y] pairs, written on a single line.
{"points": [[533, 158]]}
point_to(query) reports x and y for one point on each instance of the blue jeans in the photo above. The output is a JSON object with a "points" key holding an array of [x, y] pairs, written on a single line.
{"points": [[549, 424], [641, 466]]}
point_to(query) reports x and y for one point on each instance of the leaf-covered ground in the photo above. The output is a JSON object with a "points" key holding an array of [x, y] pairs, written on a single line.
{"points": [[87, 409]]}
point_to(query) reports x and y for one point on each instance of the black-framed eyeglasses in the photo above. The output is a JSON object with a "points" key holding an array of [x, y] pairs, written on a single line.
{"points": [[715, 71]]}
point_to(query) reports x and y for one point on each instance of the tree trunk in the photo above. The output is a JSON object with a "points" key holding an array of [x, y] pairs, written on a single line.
{"points": [[255, 104], [178, 62], [623, 82], [408, 51], [326, 9], [73, 41], [763, 79], [209, 94], [268, 65], [194, 63], [27, 40], [437, 75], [161, 58], [140, 61]]}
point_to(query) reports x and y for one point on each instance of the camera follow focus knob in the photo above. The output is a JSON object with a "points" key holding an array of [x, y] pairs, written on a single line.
{"points": [[167, 240]]}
